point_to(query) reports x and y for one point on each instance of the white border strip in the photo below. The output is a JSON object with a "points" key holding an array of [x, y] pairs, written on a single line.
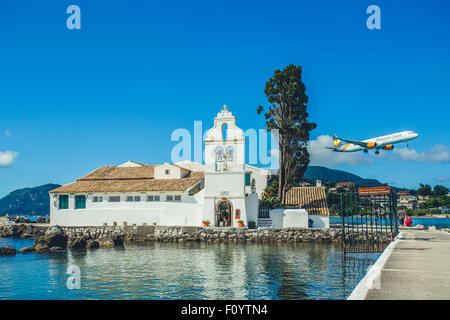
{"points": [[361, 290]]}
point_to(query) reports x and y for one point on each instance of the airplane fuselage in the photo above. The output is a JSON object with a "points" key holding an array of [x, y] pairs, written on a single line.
{"points": [[381, 142]]}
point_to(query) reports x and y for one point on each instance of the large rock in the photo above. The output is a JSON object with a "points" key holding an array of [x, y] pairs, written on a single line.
{"points": [[54, 230], [40, 247], [26, 250], [432, 228], [93, 244], [53, 237], [7, 251], [111, 241], [77, 243], [13, 231], [118, 240], [106, 242]]}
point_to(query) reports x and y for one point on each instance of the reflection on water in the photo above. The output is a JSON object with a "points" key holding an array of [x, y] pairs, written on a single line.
{"points": [[183, 271]]}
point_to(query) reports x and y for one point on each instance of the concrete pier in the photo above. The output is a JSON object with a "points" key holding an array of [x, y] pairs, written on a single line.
{"points": [[414, 267]]}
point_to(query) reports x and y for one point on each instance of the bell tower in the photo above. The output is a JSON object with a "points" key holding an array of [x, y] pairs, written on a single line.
{"points": [[225, 172]]}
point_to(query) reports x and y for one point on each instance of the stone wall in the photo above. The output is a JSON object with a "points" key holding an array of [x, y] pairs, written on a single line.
{"points": [[211, 234], [181, 234]]}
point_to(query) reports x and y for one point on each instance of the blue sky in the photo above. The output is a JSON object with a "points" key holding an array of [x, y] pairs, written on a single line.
{"points": [[73, 100]]}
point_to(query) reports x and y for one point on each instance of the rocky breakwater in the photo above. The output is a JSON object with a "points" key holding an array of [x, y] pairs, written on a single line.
{"points": [[95, 237], [54, 239], [181, 234], [58, 238], [21, 231], [7, 251]]}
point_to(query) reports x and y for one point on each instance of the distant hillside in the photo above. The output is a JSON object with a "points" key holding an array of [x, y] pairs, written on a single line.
{"points": [[331, 175], [28, 201]]}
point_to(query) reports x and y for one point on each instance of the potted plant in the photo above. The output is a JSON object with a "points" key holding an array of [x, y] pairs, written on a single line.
{"points": [[240, 223], [253, 185], [206, 223]]}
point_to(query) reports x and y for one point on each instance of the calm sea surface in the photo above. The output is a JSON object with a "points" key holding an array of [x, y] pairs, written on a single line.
{"points": [[439, 223], [185, 271]]}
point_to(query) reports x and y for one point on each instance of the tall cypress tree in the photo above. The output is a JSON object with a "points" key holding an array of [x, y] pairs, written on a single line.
{"points": [[287, 97]]}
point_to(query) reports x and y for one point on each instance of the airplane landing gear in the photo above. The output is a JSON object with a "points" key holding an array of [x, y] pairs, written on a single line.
{"points": [[377, 152], [365, 151]]}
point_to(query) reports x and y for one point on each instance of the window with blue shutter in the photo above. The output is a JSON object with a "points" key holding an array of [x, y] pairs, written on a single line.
{"points": [[247, 179], [63, 201], [80, 202]]}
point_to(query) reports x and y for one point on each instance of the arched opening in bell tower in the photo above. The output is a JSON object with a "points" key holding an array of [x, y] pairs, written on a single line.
{"points": [[224, 131]]}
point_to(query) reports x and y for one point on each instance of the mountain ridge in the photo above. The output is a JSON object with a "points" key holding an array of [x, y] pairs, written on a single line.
{"points": [[333, 175], [28, 201]]}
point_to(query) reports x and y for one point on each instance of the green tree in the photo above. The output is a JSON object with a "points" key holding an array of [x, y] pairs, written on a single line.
{"points": [[272, 189], [440, 190], [424, 190], [286, 94], [269, 197]]}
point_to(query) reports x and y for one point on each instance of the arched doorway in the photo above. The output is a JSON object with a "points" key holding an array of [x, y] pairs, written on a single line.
{"points": [[224, 213]]}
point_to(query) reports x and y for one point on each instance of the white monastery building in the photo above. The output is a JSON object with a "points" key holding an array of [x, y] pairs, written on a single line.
{"points": [[222, 191]]}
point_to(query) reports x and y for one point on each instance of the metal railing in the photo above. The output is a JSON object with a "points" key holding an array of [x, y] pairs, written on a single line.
{"points": [[264, 213], [369, 222]]}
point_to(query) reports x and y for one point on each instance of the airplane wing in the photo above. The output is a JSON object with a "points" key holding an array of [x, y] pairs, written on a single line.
{"points": [[334, 149], [359, 143]]}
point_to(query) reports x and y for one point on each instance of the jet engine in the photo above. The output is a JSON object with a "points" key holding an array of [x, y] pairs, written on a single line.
{"points": [[371, 145], [388, 147]]}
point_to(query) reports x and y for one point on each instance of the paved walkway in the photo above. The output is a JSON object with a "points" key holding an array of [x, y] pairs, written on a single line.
{"points": [[418, 267]]}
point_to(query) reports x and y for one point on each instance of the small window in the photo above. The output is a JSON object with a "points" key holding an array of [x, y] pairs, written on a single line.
{"points": [[156, 198], [114, 199], [150, 198], [80, 202], [63, 201], [177, 198], [167, 171], [137, 199], [97, 199], [129, 199], [169, 198]]}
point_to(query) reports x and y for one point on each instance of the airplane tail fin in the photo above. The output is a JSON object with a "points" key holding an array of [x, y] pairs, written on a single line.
{"points": [[336, 141]]}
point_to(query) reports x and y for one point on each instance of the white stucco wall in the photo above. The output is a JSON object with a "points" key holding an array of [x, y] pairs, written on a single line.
{"points": [[174, 172], [320, 221], [224, 184], [260, 176], [298, 218], [188, 212], [251, 208], [289, 218]]}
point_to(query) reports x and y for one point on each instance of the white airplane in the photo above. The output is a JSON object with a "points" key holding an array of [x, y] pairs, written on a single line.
{"points": [[384, 142]]}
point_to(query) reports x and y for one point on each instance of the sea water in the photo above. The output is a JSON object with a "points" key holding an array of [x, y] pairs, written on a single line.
{"points": [[195, 270]]}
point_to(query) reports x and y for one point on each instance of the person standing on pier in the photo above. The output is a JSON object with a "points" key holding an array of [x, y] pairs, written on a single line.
{"points": [[401, 217]]}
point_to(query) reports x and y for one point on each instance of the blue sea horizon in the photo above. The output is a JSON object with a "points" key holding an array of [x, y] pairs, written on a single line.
{"points": [[439, 223]]}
